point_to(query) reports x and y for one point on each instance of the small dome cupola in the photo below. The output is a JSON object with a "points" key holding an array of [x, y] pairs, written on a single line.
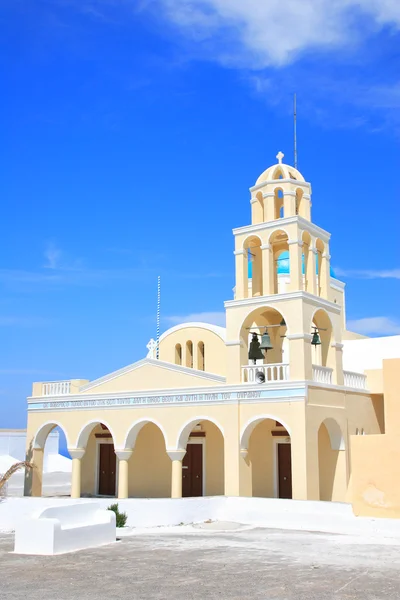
{"points": [[280, 171]]}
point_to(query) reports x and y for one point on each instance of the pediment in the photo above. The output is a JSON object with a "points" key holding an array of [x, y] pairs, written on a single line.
{"points": [[151, 374]]}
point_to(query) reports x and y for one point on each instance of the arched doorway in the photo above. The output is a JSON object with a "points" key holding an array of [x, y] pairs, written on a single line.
{"points": [[149, 468], [51, 475], [99, 473], [203, 464], [269, 453], [332, 462]]}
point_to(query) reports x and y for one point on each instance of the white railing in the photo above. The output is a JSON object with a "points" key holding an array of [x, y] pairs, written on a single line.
{"points": [[56, 388], [355, 380], [322, 374], [272, 372]]}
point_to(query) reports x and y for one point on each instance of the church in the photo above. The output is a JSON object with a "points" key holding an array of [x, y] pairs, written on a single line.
{"points": [[266, 407]]}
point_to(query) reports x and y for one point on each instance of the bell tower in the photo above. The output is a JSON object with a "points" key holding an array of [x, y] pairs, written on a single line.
{"points": [[283, 285]]}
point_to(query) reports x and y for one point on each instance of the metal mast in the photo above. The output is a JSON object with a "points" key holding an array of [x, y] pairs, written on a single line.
{"points": [[295, 130], [158, 316]]}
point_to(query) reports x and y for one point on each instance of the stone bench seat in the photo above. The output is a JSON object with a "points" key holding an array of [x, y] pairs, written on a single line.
{"points": [[60, 529]]}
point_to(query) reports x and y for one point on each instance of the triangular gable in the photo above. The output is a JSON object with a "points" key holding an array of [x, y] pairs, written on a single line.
{"points": [[151, 374]]}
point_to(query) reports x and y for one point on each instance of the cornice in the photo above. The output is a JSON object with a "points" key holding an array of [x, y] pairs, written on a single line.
{"points": [[304, 225], [276, 298]]}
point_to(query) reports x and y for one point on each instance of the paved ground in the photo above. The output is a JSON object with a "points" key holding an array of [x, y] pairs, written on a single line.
{"points": [[207, 563]]}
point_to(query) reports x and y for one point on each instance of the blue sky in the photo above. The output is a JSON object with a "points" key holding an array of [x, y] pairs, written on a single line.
{"points": [[131, 132]]}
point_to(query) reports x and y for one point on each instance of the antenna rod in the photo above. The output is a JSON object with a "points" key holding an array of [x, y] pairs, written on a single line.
{"points": [[295, 130], [158, 316]]}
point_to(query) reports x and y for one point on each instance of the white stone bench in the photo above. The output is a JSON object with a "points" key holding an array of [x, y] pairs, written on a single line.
{"points": [[60, 529]]}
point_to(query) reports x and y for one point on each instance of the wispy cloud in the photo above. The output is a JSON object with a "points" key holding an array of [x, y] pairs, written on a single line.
{"points": [[368, 273], [214, 318], [275, 33], [52, 256], [17, 321], [374, 326]]}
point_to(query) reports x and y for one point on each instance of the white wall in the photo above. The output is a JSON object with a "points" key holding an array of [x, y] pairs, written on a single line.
{"points": [[361, 355]]}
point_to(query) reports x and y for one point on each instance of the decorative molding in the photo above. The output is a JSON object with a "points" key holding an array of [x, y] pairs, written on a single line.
{"points": [[234, 343], [292, 242], [290, 194], [300, 336], [265, 247], [77, 452], [307, 196], [337, 346], [295, 182], [276, 298], [244, 452], [327, 256], [269, 195], [150, 361], [217, 329], [336, 284], [176, 454], [238, 252], [308, 226], [124, 454]]}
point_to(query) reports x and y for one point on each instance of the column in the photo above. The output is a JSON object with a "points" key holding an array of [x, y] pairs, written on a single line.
{"points": [[269, 206], [123, 469], [312, 270], [257, 212], [268, 270], [306, 201], [237, 467], [289, 204], [176, 478], [300, 359], [295, 257], [241, 268], [195, 356], [76, 455], [325, 277], [305, 466], [337, 365], [34, 477]]}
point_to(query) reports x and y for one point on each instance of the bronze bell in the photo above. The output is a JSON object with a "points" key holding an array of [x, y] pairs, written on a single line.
{"points": [[316, 341], [255, 352], [266, 342]]}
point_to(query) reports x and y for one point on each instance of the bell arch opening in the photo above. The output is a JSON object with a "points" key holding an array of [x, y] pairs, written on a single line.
{"points": [[253, 279]]}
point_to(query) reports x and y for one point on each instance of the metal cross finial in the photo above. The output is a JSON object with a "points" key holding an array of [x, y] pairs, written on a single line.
{"points": [[151, 347], [279, 156]]}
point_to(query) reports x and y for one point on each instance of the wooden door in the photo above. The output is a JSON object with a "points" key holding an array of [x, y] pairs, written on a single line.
{"points": [[192, 471], [285, 470], [107, 468]]}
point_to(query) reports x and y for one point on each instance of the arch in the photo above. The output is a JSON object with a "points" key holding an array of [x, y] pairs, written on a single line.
{"points": [[300, 202], [186, 429], [253, 273], [248, 429], [178, 354], [86, 430], [201, 356], [258, 211], [324, 354], [275, 235], [135, 428], [278, 173], [279, 212], [336, 436], [40, 438], [189, 354], [217, 329], [307, 262]]}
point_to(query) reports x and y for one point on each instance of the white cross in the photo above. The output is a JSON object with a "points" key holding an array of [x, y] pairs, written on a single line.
{"points": [[151, 346], [279, 156]]}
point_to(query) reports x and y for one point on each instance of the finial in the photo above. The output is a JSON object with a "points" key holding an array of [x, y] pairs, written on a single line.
{"points": [[279, 156]]}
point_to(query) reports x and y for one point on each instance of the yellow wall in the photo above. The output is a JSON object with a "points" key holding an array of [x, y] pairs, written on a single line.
{"points": [[375, 458], [215, 360], [332, 469], [261, 457]]}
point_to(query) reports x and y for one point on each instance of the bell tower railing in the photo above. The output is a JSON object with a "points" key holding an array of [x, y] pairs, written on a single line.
{"points": [[271, 372]]}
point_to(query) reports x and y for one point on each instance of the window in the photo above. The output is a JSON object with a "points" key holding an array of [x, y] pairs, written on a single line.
{"points": [[189, 354], [200, 356], [178, 354]]}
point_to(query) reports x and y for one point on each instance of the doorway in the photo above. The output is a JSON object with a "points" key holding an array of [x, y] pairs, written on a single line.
{"points": [[107, 469], [284, 470], [192, 471]]}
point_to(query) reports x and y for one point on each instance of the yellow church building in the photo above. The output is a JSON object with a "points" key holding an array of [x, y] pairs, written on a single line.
{"points": [[261, 408]]}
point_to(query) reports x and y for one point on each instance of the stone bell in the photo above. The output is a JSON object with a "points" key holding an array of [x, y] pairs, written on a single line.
{"points": [[266, 342], [316, 341], [255, 352]]}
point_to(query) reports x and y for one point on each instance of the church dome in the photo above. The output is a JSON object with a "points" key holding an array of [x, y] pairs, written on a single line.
{"points": [[283, 265], [280, 171]]}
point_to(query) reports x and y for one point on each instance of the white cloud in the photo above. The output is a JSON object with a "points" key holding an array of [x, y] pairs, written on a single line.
{"points": [[369, 273], [52, 255], [274, 32], [374, 326], [214, 318]]}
